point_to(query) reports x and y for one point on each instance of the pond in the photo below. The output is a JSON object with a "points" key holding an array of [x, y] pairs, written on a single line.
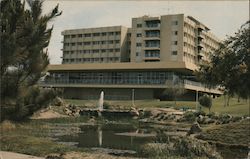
{"points": [[122, 138]]}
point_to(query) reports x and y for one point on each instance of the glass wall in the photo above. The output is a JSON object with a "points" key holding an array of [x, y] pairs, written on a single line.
{"points": [[125, 77]]}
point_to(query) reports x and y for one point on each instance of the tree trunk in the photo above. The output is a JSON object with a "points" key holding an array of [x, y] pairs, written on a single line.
{"points": [[175, 101], [225, 100], [228, 98]]}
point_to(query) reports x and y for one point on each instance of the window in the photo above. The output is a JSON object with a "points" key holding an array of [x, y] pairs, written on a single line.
{"points": [[79, 35], [104, 34], [117, 41], [175, 32], [111, 33], [79, 43], [95, 51], [117, 50], [117, 33], [103, 42], [138, 44], [87, 35], [174, 42], [96, 42], [139, 25], [73, 36], [137, 54], [174, 52], [110, 50], [86, 51], [66, 36], [103, 50], [66, 44], [87, 43], [110, 42], [175, 22], [96, 34], [73, 44], [138, 35]]}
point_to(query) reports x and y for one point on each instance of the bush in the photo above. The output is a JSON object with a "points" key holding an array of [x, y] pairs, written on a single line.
{"points": [[190, 147], [206, 101], [106, 105], [200, 113], [35, 98], [189, 116], [180, 147]]}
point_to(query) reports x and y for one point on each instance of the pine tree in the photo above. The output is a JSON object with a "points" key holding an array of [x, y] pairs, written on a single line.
{"points": [[24, 57]]}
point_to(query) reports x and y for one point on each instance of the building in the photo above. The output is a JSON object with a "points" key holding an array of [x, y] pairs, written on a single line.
{"points": [[142, 61]]}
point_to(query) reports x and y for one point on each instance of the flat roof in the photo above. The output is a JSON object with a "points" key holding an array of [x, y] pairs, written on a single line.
{"points": [[185, 67]]}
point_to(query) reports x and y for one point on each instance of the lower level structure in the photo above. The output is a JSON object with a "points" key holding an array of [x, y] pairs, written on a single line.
{"points": [[125, 81]]}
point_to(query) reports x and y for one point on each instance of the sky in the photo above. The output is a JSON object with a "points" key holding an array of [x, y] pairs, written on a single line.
{"points": [[224, 18]]}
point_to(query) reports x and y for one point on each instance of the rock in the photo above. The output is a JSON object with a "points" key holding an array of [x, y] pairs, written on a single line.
{"points": [[200, 119], [58, 101], [55, 156], [195, 128], [134, 111], [209, 121], [91, 120]]}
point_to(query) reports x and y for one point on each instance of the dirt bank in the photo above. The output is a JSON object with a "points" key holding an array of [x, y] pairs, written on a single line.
{"points": [[13, 155]]}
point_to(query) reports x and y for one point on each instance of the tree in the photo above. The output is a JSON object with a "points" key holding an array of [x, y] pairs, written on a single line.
{"points": [[206, 101], [229, 65], [174, 89], [24, 57]]}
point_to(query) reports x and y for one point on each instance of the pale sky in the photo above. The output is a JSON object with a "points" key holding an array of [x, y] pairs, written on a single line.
{"points": [[222, 17]]}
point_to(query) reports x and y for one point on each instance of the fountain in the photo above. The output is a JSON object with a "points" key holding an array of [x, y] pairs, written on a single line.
{"points": [[100, 104]]}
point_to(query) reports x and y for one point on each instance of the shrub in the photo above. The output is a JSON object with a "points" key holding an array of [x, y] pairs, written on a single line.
{"points": [[189, 116], [191, 147], [200, 113], [106, 105], [206, 101]]}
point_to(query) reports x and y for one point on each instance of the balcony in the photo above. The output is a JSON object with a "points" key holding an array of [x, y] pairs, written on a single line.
{"points": [[151, 47], [200, 36], [153, 27], [155, 37], [153, 58]]}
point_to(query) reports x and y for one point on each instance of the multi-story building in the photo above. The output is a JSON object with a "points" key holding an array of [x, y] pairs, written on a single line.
{"points": [[151, 56], [95, 45]]}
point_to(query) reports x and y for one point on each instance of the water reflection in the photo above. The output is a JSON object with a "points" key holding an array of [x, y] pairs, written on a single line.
{"points": [[99, 130], [112, 136], [125, 137]]}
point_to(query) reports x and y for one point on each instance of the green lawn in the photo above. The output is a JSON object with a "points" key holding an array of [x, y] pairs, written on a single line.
{"points": [[236, 108]]}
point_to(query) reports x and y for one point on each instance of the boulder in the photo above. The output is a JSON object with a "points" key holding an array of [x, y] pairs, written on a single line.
{"points": [[58, 101], [195, 128], [134, 111]]}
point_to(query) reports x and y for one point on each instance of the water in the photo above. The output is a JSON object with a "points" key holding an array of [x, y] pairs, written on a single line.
{"points": [[111, 136], [124, 138], [100, 104]]}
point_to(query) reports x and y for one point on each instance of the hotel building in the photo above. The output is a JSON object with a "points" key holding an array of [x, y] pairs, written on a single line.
{"points": [[156, 53]]}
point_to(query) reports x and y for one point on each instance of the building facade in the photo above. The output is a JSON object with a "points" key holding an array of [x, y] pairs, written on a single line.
{"points": [[156, 53]]}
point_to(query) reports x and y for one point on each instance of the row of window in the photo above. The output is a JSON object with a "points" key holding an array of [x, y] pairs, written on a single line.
{"points": [[154, 34], [91, 59], [93, 43], [189, 46], [151, 24], [92, 34], [93, 51]]}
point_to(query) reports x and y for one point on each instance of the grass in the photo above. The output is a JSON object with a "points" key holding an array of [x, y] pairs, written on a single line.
{"points": [[236, 108], [237, 133], [30, 138]]}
